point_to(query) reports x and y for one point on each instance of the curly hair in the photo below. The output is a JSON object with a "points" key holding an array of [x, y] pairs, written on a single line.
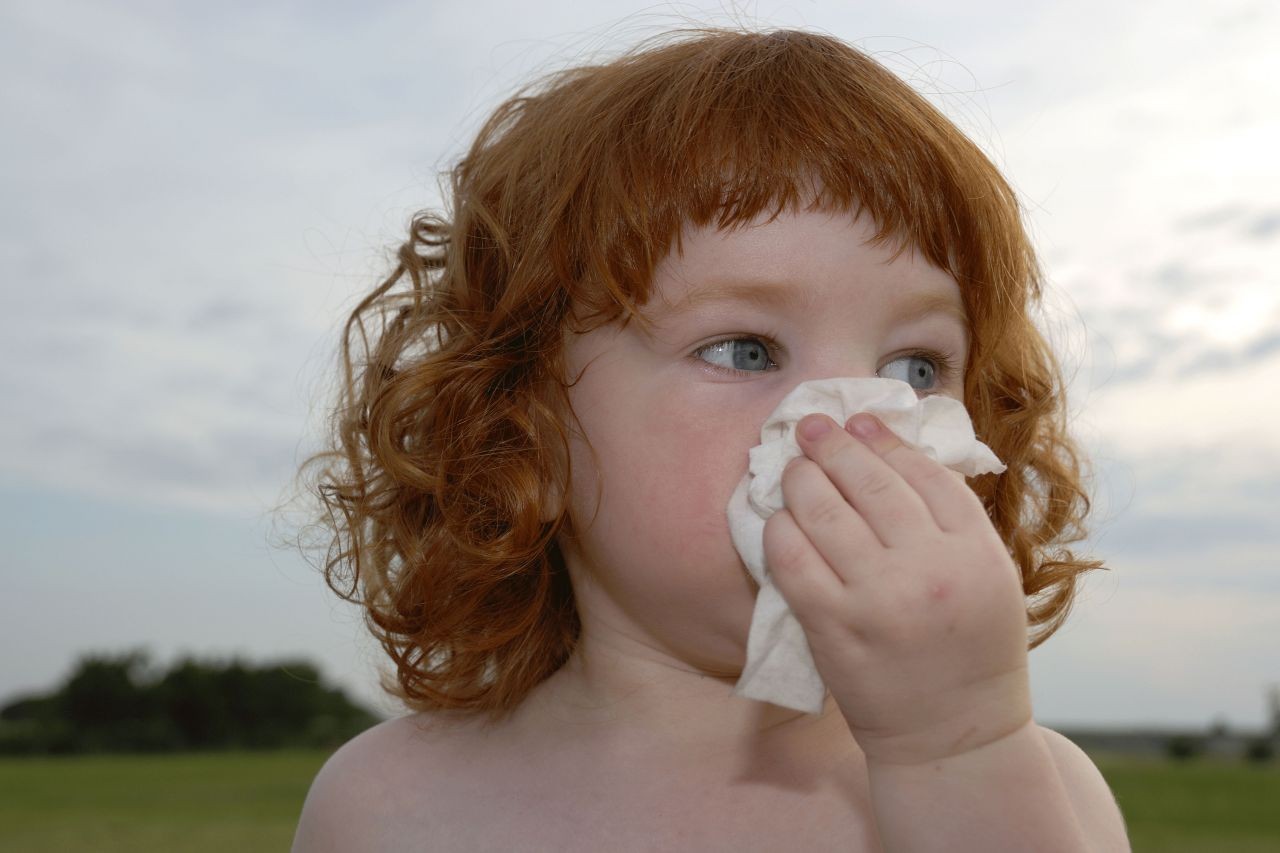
{"points": [[449, 434]]}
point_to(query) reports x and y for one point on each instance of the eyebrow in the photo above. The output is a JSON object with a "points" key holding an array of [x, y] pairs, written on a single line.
{"points": [[758, 293], [774, 297], [922, 306]]}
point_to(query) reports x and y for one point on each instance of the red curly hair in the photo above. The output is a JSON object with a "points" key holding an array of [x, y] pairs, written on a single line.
{"points": [[449, 433]]}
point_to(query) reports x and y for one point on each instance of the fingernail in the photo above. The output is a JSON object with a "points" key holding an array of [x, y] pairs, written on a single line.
{"points": [[814, 426], [864, 425]]}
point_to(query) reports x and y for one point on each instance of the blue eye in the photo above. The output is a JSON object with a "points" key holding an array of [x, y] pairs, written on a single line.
{"points": [[923, 371], [740, 359]]}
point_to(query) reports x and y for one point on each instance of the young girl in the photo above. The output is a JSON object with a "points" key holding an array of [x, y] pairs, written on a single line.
{"points": [[528, 488]]}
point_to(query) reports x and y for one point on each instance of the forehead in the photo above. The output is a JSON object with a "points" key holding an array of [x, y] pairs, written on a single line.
{"points": [[792, 263]]}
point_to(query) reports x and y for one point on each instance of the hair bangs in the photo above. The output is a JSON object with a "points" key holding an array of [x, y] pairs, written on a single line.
{"points": [[723, 129]]}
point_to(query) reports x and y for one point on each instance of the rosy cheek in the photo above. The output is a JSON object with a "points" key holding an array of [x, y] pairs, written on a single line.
{"points": [[675, 458], [708, 466], [707, 437]]}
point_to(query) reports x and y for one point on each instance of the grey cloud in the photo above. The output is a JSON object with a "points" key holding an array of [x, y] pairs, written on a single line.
{"points": [[1264, 226], [221, 462], [1190, 519], [1230, 480], [219, 314], [1262, 346], [1207, 361], [260, 456], [1131, 327], [1176, 277], [1257, 225], [1188, 533], [56, 351], [1215, 359], [1211, 218], [1151, 352], [1134, 371], [131, 458]]}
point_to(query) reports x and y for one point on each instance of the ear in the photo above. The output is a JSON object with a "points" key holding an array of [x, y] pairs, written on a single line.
{"points": [[551, 502], [552, 497]]}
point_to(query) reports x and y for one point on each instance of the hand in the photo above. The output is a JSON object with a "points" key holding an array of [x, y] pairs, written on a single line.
{"points": [[912, 606]]}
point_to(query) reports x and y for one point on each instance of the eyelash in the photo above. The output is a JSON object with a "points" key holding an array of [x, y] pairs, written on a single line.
{"points": [[944, 364]]}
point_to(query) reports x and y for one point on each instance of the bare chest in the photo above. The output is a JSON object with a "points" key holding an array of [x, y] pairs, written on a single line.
{"points": [[642, 811]]}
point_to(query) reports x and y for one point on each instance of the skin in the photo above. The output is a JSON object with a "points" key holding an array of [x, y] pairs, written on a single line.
{"points": [[665, 600], [911, 606], [910, 602]]}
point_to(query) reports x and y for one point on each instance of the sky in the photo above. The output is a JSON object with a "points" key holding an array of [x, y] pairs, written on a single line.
{"points": [[194, 195]]}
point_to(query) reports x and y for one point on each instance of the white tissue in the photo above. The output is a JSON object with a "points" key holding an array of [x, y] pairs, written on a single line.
{"points": [[779, 667]]}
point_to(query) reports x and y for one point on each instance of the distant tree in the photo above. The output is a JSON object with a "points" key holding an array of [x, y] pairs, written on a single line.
{"points": [[117, 704], [108, 703], [1183, 747], [105, 691], [35, 724], [1259, 751], [30, 708], [191, 698]]}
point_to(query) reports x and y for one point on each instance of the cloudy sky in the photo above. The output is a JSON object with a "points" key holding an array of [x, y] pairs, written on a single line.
{"points": [[194, 194]]}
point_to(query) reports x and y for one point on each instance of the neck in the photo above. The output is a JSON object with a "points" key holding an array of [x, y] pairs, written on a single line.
{"points": [[630, 700]]}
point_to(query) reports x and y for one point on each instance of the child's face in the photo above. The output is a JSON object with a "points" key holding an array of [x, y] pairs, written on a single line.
{"points": [[672, 426]]}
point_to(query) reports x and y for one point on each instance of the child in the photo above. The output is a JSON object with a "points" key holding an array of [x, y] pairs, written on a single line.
{"points": [[528, 489]]}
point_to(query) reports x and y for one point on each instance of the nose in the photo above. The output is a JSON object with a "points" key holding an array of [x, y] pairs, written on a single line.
{"points": [[836, 346], [846, 362], [832, 363]]}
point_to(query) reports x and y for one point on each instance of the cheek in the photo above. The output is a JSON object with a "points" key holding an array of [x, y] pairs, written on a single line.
{"points": [[688, 465], [669, 486], [669, 464], [669, 460]]}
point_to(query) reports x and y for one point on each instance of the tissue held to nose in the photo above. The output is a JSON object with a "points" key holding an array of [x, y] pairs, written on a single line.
{"points": [[779, 667]]}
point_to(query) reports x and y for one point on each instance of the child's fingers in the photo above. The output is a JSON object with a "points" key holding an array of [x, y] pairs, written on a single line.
{"points": [[891, 507], [834, 529], [799, 572], [952, 504]]}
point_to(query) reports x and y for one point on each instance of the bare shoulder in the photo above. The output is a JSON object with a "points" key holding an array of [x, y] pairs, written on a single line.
{"points": [[1091, 798], [366, 790]]}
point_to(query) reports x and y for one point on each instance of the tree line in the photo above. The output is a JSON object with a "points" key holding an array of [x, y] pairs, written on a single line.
{"points": [[121, 703]]}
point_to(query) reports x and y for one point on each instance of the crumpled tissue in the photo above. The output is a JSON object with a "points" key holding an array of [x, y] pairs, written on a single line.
{"points": [[779, 667]]}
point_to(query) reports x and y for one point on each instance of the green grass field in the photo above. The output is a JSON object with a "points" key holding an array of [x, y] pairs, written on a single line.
{"points": [[250, 802], [1198, 806], [195, 802]]}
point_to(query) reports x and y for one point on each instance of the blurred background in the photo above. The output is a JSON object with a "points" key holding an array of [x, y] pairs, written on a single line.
{"points": [[195, 195]]}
